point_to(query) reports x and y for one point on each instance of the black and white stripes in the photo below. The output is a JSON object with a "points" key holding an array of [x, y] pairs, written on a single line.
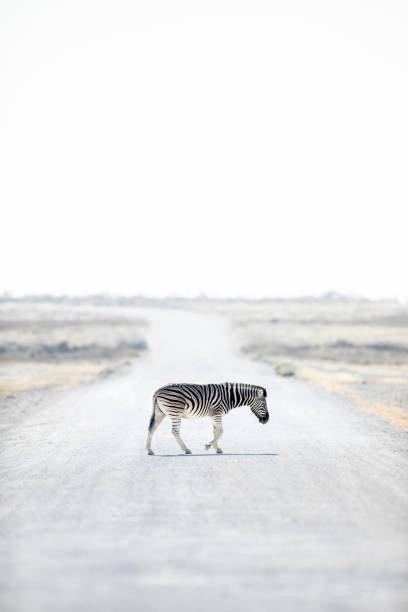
{"points": [[186, 401]]}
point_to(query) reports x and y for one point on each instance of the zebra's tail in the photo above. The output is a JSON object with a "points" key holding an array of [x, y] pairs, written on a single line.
{"points": [[153, 417]]}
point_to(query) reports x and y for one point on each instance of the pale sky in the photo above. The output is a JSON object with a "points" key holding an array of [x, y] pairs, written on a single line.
{"points": [[240, 148]]}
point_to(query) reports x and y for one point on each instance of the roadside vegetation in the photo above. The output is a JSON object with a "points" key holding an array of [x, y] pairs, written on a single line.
{"points": [[355, 347], [61, 345]]}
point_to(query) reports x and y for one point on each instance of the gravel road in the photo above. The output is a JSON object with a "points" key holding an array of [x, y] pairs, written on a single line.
{"points": [[308, 512]]}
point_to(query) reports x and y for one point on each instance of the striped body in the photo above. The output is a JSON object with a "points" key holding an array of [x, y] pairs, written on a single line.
{"points": [[188, 401]]}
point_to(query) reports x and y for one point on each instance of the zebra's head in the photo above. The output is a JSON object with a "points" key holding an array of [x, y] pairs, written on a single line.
{"points": [[258, 405]]}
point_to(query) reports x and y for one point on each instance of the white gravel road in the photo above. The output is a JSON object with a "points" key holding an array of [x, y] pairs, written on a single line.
{"points": [[308, 512]]}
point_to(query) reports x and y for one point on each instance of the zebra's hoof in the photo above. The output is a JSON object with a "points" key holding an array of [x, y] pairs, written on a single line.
{"points": [[219, 451], [207, 446], [187, 451], [150, 452]]}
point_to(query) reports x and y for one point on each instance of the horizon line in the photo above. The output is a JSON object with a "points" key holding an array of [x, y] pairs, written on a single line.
{"points": [[110, 296]]}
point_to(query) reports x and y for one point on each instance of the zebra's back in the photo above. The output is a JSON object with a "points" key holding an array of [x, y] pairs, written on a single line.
{"points": [[190, 400]]}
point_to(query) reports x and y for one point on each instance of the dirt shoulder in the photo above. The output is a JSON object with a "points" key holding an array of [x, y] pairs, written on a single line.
{"points": [[380, 390]]}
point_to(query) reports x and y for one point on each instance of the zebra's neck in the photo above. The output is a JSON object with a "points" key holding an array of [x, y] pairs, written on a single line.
{"points": [[240, 394]]}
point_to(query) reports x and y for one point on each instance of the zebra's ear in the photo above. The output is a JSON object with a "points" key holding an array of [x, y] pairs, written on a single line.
{"points": [[260, 392], [264, 392]]}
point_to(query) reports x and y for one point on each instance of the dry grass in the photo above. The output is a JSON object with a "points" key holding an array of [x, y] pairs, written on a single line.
{"points": [[61, 347]]}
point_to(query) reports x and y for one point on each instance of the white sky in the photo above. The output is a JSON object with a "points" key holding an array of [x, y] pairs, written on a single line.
{"points": [[234, 148]]}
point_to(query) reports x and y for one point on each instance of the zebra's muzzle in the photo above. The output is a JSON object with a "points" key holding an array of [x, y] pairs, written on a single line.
{"points": [[264, 419]]}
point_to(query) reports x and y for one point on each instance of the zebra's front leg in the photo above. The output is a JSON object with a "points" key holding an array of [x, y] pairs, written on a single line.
{"points": [[218, 430], [175, 428]]}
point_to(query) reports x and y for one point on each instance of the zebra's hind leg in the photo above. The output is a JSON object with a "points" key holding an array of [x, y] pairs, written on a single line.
{"points": [[175, 428], [157, 418], [218, 430]]}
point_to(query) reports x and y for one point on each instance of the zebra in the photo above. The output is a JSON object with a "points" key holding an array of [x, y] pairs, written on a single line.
{"points": [[188, 401]]}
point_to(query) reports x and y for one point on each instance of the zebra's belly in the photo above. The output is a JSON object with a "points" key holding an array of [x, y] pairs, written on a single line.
{"points": [[196, 414]]}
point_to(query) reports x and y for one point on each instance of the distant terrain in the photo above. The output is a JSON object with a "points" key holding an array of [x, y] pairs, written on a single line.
{"points": [[61, 345]]}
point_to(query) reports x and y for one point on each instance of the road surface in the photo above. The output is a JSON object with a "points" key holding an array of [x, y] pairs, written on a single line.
{"points": [[308, 512]]}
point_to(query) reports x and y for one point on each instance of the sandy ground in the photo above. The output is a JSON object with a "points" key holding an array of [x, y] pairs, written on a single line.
{"points": [[305, 513]]}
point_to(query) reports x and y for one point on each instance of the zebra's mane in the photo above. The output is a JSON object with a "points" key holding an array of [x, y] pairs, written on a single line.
{"points": [[247, 387]]}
